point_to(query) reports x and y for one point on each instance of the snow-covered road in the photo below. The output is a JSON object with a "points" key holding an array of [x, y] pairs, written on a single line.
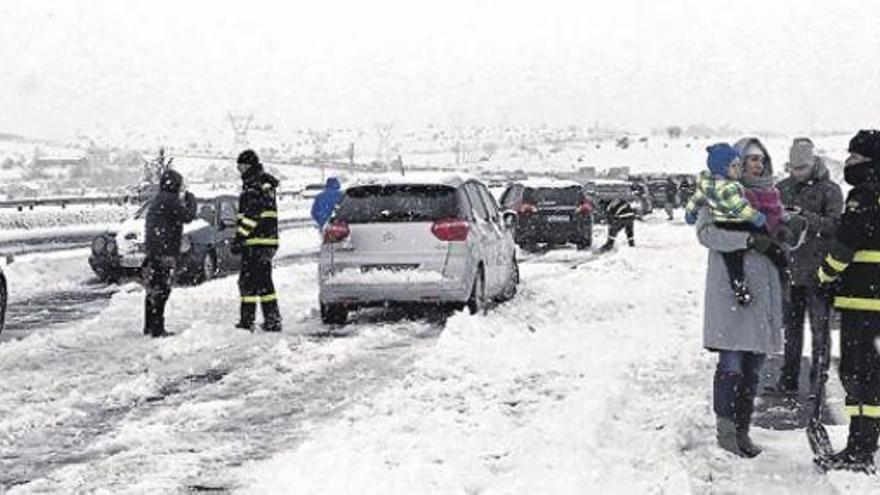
{"points": [[592, 380]]}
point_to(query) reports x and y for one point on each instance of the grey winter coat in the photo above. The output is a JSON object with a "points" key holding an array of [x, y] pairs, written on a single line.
{"points": [[823, 198], [727, 325]]}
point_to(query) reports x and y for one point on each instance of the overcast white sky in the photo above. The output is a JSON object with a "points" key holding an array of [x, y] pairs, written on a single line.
{"points": [[67, 65]]}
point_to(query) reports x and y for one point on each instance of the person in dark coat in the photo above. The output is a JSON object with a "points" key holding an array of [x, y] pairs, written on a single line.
{"points": [[850, 271], [671, 199], [620, 216], [326, 201], [167, 213], [815, 203], [257, 241]]}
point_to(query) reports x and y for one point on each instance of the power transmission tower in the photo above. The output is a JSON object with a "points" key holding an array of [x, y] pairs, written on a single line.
{"points": [[384, 132], [241, 124]]}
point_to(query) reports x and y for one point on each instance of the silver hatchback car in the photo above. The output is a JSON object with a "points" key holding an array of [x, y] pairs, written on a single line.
{"points": [[425, 240]]}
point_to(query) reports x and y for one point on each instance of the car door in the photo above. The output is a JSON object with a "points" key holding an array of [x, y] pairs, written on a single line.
{"points": [[499, 232], [484, 234], [228, 213]]}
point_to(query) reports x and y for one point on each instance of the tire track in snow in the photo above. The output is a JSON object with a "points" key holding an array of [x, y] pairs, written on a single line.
{"points": [[254, 423]]}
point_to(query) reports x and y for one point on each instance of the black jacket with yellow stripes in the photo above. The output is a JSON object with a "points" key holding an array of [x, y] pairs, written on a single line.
{"points": [[257, 210], [619, 210], [853, 261]]}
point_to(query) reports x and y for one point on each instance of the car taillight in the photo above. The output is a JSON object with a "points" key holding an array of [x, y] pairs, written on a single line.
{"points": [[451, 229], [526, 208], [585, 208], [336, 232]]}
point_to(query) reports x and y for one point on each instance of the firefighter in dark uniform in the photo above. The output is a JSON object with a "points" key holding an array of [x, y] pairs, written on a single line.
{"points": [[620, 216], [257, 241], [851, 272], [167, 213]]}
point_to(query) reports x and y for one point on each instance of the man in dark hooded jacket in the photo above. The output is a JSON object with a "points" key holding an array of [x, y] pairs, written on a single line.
{"points": [[257, 241], [167, 213], [817, 203], [851, 271], [325, 202]]}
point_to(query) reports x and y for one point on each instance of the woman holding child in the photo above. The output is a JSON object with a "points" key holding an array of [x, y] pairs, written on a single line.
{"points": [[737, 214]]}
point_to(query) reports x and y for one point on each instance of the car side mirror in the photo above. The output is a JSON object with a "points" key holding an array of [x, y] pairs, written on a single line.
{"points": [[509, 218]]}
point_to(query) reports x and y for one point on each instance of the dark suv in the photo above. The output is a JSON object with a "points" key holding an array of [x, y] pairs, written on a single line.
{"points": [[550, 212]]}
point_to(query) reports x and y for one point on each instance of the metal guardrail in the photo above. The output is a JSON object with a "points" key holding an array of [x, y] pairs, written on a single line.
{"points": [[64, 201], [43, 244]]}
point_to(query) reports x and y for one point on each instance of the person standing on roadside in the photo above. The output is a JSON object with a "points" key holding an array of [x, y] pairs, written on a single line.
{"points": [[815, 203], [168, 211], [850, 271]]}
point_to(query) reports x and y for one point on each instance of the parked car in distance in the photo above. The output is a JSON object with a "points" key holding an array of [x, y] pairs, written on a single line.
{"points": [[204, 253], [602, 191], [311, 191], [550, 212], [438, 240]]}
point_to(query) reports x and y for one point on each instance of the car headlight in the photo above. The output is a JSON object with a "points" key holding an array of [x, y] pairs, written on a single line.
{"points": [[98, 244], [185, 244]]}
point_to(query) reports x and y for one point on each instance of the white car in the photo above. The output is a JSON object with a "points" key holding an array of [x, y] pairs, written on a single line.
{"points": [[427, 240]]}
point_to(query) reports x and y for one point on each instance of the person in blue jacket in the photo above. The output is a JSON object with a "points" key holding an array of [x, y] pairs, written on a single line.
{"points": [[325, 202]]}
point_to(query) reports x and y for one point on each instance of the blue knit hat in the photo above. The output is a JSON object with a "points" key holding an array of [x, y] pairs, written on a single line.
{"points": [[721, 155]]}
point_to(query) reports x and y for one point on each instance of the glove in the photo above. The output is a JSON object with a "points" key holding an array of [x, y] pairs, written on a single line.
{"points": [[236, 247], [761, 243], [760, 220], [690, 217], [827, 289], [266, 255], [797, 224], [812, 220]]}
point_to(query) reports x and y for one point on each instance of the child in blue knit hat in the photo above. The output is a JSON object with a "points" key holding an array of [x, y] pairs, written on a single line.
{"points": [[719, 189]]}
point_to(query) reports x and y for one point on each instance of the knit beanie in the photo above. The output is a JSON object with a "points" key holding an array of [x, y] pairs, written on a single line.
{"points": [[721, 155]]}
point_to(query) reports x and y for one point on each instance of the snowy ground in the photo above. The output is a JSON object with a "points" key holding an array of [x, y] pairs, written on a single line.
{"points": [[591, 381]]}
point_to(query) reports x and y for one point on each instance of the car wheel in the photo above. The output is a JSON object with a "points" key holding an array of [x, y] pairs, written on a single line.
{"points": [[209, 267], [333, 314], [513, 281], [477, 302], [583, 245], [4, 297]]}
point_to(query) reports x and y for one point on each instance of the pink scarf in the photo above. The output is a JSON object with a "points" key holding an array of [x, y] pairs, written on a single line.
{"points": [[768, 202]]}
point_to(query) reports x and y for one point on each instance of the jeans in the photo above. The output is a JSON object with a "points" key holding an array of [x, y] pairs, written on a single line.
{"points": [[736, 385]]}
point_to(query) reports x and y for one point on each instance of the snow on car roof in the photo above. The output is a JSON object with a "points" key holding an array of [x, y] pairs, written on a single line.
{"points": [[609, 181], [416, 178], [549, 183]]}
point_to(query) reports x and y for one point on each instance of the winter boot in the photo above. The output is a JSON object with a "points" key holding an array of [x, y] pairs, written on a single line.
{"points": [[271, 317], [272, 326], [745, 444], [726, 434], [245, 325], [248, 314], [858, 456], [744, 408], [741, 292]]}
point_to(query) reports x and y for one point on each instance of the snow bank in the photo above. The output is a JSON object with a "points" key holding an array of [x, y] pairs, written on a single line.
{"points": [[592, 381]]}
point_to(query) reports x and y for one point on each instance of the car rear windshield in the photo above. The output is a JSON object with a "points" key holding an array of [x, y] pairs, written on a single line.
{"points": [[613, 188], [551, 196], [398, 203]]}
